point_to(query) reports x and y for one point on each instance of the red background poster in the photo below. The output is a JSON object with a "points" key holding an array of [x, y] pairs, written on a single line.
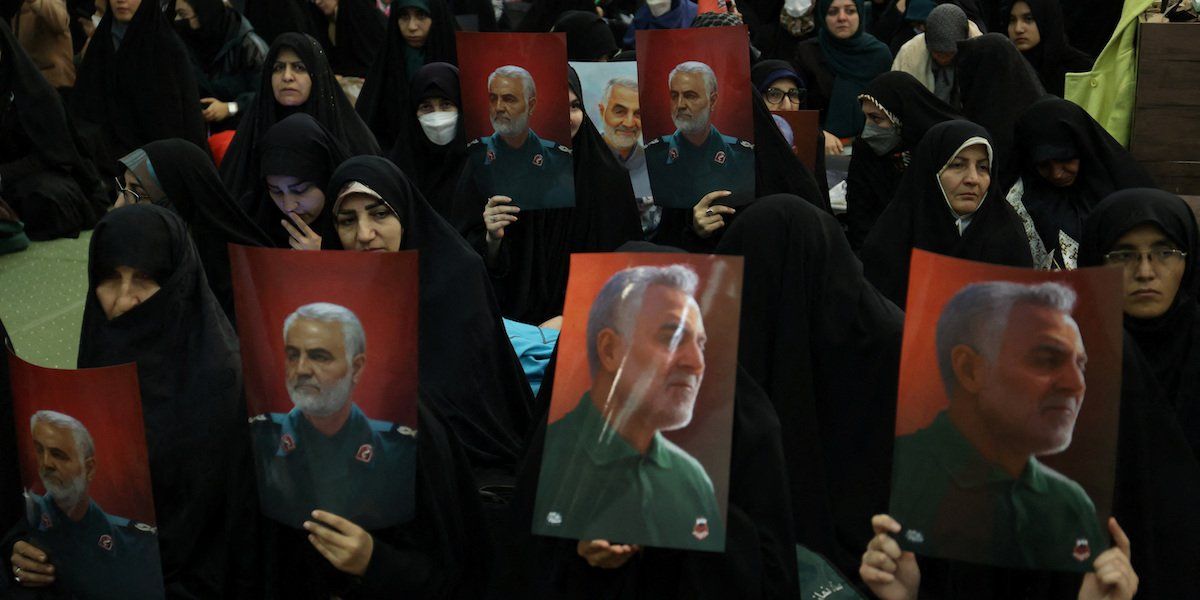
{"points": [[381, 289], [108, 402], [544, 55]]}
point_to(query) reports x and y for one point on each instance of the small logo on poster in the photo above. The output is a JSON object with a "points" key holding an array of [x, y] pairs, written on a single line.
{"points": [[1083, 550], [673, 154], [719, 158], [700, 529], [287, 443], [491, 155], [105, 542], [365, 453], [914, 536], [537, 160], [554, 518], [46, 522]]}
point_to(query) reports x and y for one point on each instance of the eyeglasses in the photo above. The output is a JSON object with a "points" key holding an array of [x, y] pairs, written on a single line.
{"points": [[131, 197], [776, 95], [1159, 257]]}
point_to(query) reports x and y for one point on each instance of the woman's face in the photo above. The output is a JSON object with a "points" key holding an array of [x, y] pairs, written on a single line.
{"points": [[184, 12], [876, 116], [1154, 268], [290, 80], [435, 104], [414, 25], [783, 94], [123, 289], [132, 192], [1060, 173], [365, 223], [293, 195], [842, 19], [965, 179], [1022, 28], [123, 10], [576, 112]]}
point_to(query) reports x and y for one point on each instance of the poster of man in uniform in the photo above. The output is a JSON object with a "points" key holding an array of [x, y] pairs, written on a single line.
{"points": [[638, 439], [517, 118], [90, 527], [697, 114], [611, 100], [1006, 422], [330, 363]]}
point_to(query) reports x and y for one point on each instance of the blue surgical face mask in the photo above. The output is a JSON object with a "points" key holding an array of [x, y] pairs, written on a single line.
{"points": [[881, 141]]}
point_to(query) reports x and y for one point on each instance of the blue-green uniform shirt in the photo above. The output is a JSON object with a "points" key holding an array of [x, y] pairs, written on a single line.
{"points": [[594, 485], [366, 472], [954, 504], [682, 173], [539, 174], [101, 556]]}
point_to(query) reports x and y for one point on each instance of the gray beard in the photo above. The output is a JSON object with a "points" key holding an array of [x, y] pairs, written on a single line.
{"points": [[617, 138], [66, 496], [515, 126], [325, 402], [694, 125]]}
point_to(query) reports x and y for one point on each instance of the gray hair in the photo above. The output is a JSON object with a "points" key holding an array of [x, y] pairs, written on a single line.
{"points": [[624, 82], [352, 330], [514, 71], [978, 315], [83, 439], [692, 66], [625, 289]]}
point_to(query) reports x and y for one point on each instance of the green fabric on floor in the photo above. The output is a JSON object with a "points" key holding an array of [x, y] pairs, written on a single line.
{"points": [[41, 299]]}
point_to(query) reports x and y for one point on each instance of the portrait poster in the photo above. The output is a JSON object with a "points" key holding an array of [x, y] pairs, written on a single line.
{"points": [[639, 431], [517, 117], [804, 127], [1006, 424], [697, 116], [707, 6], [81, 445], [329, 362], [611, 101]]}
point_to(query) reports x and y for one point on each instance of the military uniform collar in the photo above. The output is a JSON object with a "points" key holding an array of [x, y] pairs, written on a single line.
{"points": [[94, 519], [609, 447], [532, 142], [357, 426], [968, 468]]}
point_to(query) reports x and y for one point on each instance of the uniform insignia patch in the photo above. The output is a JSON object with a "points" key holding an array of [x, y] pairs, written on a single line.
{"points": [[46, 522], [491, 155], [144, 527], [914, 536], [719, 158], [537, 160], [105, 542], [365, 453], [554, 518], [700, 529], [1082, 551], [564, 148], [746, 144], [406, 430], [287, 443], [673, 154]]}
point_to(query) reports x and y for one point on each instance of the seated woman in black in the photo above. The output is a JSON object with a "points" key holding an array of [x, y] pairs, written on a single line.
{"points": [[227, 56]]}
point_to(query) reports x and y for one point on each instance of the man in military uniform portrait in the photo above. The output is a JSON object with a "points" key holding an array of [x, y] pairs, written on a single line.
{"points": [[514, 161], [697, 158], [607, 472], [326, 453], [71, 543], [970, 485]]}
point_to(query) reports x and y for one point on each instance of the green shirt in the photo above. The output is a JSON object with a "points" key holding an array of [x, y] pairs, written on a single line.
{"points": [[594, 485], [954, 504], [681, 173], [539, 174]]}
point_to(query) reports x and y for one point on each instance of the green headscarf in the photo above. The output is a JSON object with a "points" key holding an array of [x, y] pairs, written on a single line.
{"points": [[855, 61]]}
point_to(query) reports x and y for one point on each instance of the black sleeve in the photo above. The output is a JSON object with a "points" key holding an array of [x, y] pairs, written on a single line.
{"points": [[397, 573]]}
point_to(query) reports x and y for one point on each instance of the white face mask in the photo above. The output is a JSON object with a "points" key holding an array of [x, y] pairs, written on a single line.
{"points": [[797, 8], [439, 126], [658, 8]]}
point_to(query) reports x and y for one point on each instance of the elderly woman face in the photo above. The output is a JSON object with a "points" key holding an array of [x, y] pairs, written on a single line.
{"points": [[965, 179], [123, 289]]}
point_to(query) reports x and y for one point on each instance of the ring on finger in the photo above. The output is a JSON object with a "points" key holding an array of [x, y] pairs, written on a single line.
{"points": [[708, 213], [16, 570]]}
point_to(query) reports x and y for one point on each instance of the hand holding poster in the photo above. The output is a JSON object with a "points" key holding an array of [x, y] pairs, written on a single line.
{"points": [[695, 99], [514, 89], [1006, 422], [86, 472], [330, 363], [638, 442]]}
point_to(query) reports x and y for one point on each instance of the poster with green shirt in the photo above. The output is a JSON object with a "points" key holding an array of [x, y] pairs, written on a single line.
{"points": [[639, 432]]}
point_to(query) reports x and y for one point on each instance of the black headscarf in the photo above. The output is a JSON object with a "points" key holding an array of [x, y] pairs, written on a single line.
{"points": [[589, 37], [194, 191], [435, 169], [825, 346], [385, 103], [1170, 342], [358, 30], [274, 18], [872, 180], [217, 23], [145, 90], [468, 371], [189, 371], [1053, 128], [326, 103], [297, 146], [920, 217], [1054, 56], [995, 84], [530, 274], [42, 117]]}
